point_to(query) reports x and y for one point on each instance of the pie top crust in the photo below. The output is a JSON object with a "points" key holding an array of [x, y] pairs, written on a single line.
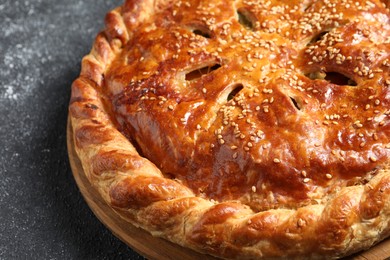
{"points": [[242, 129]]}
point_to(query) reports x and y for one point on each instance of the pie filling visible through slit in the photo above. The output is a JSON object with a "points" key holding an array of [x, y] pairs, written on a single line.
{"points": [[273, 105]]}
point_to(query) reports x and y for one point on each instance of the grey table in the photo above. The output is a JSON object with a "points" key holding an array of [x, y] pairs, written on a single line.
{"points": [[42, 213]]}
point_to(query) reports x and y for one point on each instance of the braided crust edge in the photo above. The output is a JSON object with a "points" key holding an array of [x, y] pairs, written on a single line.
{"points": [[354, 219]]}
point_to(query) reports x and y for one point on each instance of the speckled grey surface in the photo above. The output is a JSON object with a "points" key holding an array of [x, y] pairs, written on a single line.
{"points": [[42, 214]]}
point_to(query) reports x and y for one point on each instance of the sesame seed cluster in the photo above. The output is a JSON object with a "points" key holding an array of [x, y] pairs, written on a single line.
{"points": [[268, 102]]}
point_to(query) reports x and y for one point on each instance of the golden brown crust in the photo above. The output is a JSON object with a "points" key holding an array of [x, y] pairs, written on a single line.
{"points": [[266, 152]]}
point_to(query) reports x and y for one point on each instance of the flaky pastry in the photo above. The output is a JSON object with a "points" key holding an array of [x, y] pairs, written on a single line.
{"points": [[242, 129]]}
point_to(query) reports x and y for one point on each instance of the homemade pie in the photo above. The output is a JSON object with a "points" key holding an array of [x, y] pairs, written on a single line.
{"points": [[242, 129]]}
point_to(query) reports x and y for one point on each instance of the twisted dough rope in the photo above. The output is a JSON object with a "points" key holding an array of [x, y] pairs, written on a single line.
{"points": [[354, 219]]}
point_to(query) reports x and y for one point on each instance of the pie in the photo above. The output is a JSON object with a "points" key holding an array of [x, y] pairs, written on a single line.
{"points": [[242, 129]]}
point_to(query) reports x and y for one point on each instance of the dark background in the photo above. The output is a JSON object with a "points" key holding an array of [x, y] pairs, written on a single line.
{"points": [[42, 213]]}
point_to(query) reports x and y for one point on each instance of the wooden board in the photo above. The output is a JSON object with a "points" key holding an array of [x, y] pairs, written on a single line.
{"points": [[156, 248]]}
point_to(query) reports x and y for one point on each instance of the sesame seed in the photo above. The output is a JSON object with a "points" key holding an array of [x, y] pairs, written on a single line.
{"points": [[301, 222], [358, 124], [276, 160], [306, 180], [328, 176], [372, 159], [254, 188]]}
